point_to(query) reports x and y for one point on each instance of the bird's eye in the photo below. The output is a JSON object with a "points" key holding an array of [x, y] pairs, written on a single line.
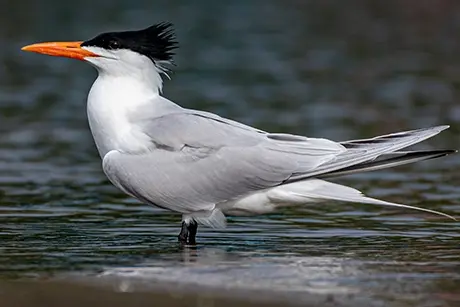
{"points": [[113, 44]]}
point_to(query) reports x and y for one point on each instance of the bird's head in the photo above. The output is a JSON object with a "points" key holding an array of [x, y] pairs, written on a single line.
{"points": [[115, 53]]}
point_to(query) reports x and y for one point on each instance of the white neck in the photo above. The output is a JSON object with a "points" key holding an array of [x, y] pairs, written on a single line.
{"points": [[126, 92], [113, 103]]}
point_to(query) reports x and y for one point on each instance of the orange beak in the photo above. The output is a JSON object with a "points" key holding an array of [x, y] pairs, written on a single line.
{"points": [[64, 49]]}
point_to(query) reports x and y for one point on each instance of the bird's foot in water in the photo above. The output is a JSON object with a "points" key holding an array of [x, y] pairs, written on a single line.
{"points": [[187, 233]]}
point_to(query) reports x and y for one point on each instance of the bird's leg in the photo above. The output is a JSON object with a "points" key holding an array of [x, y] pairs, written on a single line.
{"points": [[183, 235], [192, 228], [187, 233]]}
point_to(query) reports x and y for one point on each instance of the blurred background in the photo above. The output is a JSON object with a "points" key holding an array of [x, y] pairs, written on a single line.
{"points": [[335, 69]]}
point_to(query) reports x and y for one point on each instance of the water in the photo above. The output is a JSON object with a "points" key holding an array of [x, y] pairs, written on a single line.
{"points": [[325, 68]]}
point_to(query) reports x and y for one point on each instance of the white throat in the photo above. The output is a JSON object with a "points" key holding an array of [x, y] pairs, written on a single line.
{"points": [[126, 91], [112, 101]]}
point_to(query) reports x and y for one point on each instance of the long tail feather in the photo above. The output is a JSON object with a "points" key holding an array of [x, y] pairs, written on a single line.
{"points": [[318, 190]]}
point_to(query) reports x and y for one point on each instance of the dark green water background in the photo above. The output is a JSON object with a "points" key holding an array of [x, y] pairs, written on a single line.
{"points": [[335, 69]]}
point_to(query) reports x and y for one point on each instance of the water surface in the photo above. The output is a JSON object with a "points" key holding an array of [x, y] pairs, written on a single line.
{"points": [[341, 70]]}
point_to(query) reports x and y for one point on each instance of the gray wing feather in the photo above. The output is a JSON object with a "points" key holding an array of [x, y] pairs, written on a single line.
{"points": [[198, 159], [359, 151], [188, 181]]}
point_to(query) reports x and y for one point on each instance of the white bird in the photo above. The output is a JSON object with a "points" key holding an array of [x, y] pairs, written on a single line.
{"points": [[204, 166]]}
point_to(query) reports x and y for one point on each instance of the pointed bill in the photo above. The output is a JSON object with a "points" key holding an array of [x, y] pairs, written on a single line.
{"points": [[63, 49]]}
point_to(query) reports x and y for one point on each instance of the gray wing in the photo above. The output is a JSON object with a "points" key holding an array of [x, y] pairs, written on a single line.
{"points": [[197, 161], [364, 150]]}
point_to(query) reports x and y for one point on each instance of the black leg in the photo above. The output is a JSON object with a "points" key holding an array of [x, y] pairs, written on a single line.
{"points": [[188, 233], [183, 235], [192, 228]]}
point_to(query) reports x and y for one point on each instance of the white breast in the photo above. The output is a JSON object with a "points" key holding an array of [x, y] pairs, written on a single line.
{"points": [[111, 101]]}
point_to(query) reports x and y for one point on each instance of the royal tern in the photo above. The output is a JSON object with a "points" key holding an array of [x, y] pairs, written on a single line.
{"points": [[204, 166]]}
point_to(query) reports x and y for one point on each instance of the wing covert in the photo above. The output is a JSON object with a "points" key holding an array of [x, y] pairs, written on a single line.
{"points": [[197, 161]]}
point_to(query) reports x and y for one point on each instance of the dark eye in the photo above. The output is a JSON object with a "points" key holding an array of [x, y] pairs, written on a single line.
{"points": [[113, 44]]}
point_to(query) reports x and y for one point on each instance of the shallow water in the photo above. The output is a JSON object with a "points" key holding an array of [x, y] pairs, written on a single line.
{"points": [[324, 69]]}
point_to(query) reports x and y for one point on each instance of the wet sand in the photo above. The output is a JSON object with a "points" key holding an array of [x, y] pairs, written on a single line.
{"points": [[76, 293]]}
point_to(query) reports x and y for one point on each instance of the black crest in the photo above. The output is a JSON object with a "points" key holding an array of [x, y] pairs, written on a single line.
{"points": [[156, 42]]}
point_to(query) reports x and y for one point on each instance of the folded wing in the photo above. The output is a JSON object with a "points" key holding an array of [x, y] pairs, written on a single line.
{"points": [[199, 159], [196, 161]]}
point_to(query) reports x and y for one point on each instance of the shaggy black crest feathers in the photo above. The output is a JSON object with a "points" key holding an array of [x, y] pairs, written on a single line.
{"points": [[156, 42]]}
